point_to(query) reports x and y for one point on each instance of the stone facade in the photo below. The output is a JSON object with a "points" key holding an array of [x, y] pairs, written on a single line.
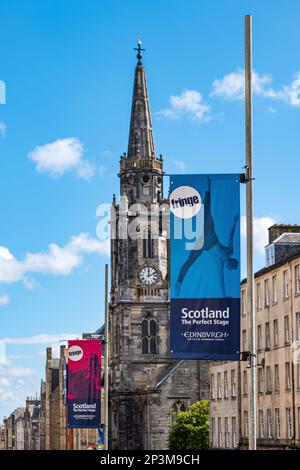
{"points": [[51, 408], [277, 301], [224, 404], [9, 432], [54, 412], [42, 424], [2, 437], [144, 383], [21, 429]]}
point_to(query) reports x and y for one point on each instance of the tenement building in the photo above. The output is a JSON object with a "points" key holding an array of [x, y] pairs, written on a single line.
{"points": [[145, 384], [277, 301], [42, 424], [55, 435], [21, 429]]}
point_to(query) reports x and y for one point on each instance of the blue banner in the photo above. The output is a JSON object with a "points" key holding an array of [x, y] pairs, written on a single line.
{"points": [[205, 267]]}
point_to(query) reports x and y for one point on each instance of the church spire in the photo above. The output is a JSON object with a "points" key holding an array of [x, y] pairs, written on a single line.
{"points": [[140, 136]]}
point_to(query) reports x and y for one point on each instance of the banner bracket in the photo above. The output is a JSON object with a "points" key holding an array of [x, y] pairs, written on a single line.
{"points": [[244, 178]]}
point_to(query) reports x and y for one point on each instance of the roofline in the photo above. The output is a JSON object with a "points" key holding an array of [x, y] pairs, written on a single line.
{"points": [[277, 240], [273, 266]]}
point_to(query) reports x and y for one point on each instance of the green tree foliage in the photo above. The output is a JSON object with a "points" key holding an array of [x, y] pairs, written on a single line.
{"points": [[190, 430]]}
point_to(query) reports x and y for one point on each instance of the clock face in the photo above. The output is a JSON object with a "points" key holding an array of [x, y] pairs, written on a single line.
{"points": [[148, 275]]}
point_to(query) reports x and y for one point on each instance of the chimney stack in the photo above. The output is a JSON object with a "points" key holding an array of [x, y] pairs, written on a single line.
{"points": [[278, 229]]}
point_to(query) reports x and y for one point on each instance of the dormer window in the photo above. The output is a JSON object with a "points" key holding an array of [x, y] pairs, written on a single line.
{"points": [[270, 255]]}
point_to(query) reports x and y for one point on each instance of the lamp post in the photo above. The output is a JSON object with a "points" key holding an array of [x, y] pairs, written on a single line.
{"points": [[249, 230]]}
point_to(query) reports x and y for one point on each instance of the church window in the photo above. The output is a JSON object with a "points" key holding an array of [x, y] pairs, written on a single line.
{"points": [[148, 245], [177, 408], [160, 223], [149, 336]]}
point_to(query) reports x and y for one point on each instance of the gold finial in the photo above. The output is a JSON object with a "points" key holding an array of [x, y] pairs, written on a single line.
{"points": [[139, 49]]}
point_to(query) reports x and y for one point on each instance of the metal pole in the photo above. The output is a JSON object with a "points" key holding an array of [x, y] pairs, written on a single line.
{"points": [[249, 219], [106, 377]]}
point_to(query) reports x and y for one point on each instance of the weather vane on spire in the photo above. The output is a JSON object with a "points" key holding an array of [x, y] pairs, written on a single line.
{"points": [[139, 49]]}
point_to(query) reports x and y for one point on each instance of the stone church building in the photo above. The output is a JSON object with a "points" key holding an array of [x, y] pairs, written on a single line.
{"points": [[145, 385]]}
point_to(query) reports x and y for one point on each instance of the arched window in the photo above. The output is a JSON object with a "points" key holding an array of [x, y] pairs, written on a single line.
{"points": [[160, 223], [177, 408], [148, 245], [149, 336]]}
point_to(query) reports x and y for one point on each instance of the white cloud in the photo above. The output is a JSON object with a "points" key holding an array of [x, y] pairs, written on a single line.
{"points": [[30, 283], [63, 260], [101, 170], [260, 231], [272, 110], [291, 92], [11, 270], [232, 87], [85, 170], [180, 165], [5, 253], [2, 129], [57, 260], [20, 371], [188, 103], [8, 396], [2, 92], [61, 156], [43, 338], [15, 384], [4, 299], [4, 382], [20, 356]]}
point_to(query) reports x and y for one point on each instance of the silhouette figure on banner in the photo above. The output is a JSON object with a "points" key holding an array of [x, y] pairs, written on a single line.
{"points": [[85, 383], [220, 255]]}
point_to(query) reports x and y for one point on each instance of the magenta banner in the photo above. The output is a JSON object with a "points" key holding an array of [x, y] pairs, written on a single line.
{"points": [[84, 383]]}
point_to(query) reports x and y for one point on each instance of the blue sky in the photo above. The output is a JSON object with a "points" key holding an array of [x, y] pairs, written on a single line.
{"points": [[68, 69]]}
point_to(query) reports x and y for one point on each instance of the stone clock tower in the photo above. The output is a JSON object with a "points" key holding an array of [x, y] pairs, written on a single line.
{"points": [[145, 385]]}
